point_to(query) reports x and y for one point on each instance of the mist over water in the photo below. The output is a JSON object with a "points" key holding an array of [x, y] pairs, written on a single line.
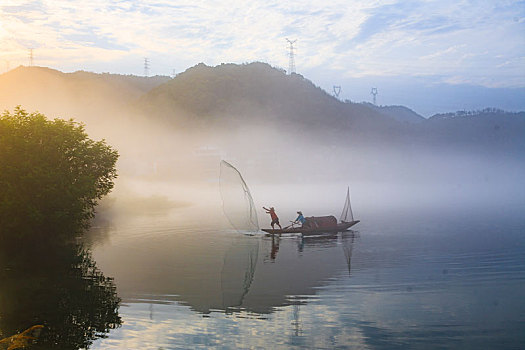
{"points": [[436, 254], [293, 171], [171, 153], [434, 263], [438, 278]]}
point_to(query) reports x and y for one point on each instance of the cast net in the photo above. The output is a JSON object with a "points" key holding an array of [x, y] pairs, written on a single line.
{"points": [[238, 271], [237, 202]]}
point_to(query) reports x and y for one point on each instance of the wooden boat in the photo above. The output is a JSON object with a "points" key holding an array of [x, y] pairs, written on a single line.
{"points": [[235, 193], [322, 224], [340, 227]]}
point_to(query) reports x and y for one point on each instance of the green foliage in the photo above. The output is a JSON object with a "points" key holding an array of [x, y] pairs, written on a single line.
{"points": [[230, 95], [51, 174]]}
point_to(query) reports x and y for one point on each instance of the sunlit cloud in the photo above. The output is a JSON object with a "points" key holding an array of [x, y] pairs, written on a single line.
{"points": [[356, 38]]}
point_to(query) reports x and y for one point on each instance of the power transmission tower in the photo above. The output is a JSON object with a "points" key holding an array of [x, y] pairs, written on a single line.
{"points": [[337, 91], [374, 94], [31, 57], [291, 62], [146, 66]]}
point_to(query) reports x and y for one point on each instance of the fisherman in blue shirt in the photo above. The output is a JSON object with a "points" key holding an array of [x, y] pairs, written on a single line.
{"points": [[300, 218]]}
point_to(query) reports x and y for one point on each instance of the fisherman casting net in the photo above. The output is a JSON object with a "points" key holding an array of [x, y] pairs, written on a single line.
{"points": [[237, 202]]}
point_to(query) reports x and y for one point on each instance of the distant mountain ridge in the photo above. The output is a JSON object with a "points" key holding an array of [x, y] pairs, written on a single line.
{"points": [[399, 113], [130, 83], [278, 127], [231, 89], [229, 96], [51, 91], [478, 113]]}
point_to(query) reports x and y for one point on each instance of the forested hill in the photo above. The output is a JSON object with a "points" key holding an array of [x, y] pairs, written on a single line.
{"points": [[53, 92], [489, 127], [256, 92], [399, 113], [256, 96]]}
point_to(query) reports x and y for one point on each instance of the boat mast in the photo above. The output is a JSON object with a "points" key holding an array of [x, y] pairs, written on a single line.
{"points": [[347, 215]]}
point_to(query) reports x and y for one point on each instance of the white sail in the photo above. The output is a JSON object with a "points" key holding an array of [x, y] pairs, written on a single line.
{"points": [[347, 215]]}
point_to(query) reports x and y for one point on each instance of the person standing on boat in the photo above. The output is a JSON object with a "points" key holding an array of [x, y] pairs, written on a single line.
{"points": [[275, 218]]}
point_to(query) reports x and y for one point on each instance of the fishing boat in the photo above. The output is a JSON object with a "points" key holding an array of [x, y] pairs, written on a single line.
{"points": [[316, 225]]}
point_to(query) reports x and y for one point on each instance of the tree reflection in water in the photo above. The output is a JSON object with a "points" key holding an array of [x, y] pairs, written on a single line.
{"points": [[60, 287]]}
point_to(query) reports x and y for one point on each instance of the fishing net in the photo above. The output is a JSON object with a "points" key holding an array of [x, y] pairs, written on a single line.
{"points": [[237, 202], [238, 271], [241, 258], [347, 215]]}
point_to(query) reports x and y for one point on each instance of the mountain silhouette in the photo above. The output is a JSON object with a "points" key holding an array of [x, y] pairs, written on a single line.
{"points": [[252, 92], [255, 95], [399, 113], [84, 96]]}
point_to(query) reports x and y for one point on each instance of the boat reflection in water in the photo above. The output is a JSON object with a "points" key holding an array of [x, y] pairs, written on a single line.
{"points": [[58, 287], [231, 272], [293, 268]]}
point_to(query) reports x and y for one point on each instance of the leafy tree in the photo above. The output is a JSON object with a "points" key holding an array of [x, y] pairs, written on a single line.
{"points": [[51, 175]]}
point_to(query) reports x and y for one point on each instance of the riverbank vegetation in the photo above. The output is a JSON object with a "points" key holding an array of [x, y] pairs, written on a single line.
{"points": [[51, 175]]}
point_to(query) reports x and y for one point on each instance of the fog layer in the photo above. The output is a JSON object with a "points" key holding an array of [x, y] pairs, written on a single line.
{"points": [[298, 148]]}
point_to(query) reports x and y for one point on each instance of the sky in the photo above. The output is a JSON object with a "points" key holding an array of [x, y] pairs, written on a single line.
{"points": [[399, 46]]}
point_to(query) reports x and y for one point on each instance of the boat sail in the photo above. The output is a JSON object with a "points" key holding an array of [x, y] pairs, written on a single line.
{"points": [[347, 215]]}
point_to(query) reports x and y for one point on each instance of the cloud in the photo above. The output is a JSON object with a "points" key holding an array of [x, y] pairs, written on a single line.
{"points": [[356, 38]]}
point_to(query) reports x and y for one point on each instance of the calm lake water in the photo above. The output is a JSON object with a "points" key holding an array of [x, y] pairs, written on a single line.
{"points": [[414, 275], [412, 279]]}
